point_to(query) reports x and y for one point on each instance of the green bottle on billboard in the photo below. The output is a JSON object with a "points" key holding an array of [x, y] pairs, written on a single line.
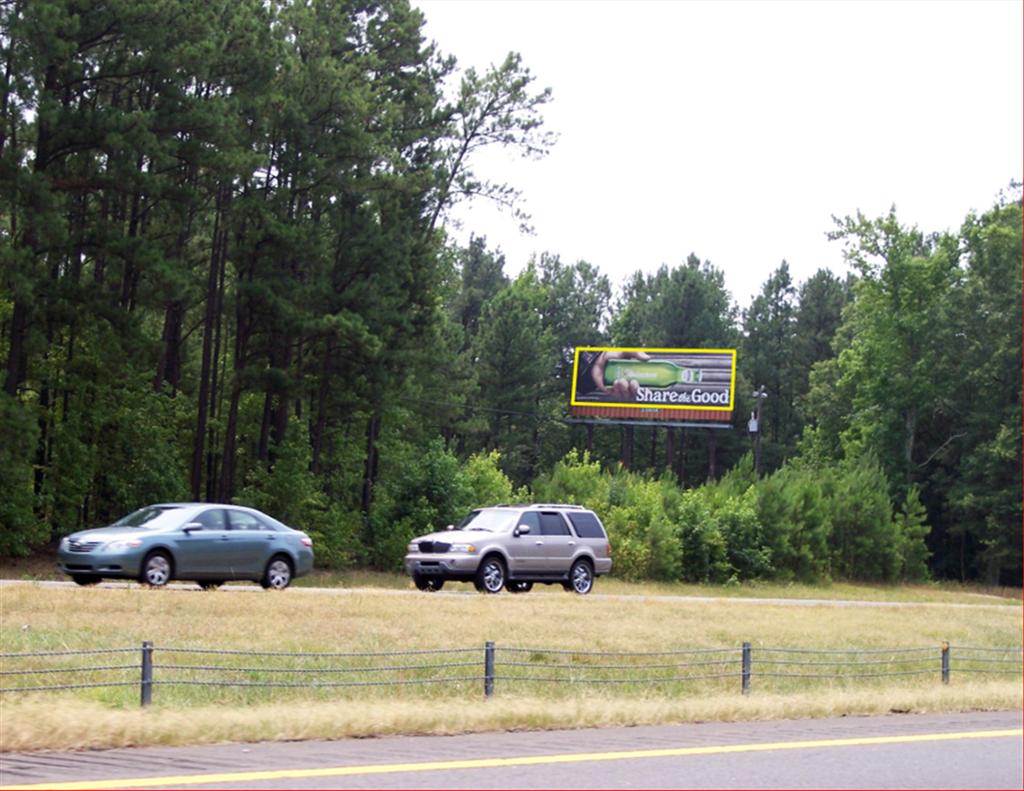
{"points": [[650, 373]]}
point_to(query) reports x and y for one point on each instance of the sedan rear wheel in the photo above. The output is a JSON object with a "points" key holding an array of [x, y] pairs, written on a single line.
{"points": [[156, 569], [278, 574]]}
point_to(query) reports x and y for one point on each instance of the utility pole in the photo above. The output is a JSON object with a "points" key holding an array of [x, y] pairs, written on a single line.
{"points": [[759, 396]]}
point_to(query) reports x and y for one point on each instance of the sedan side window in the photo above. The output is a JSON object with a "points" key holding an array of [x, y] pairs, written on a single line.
{"points": [[212, 519], [240, 520]]}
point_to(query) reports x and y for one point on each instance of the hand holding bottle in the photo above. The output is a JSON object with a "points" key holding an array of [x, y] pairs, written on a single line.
{"points": [[619, 388]]}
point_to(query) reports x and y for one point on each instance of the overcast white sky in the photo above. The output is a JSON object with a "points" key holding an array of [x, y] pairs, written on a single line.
{"points": [[735, 130]]}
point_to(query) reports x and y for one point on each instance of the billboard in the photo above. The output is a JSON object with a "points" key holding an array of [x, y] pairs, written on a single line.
{"points": [[694, 380]]}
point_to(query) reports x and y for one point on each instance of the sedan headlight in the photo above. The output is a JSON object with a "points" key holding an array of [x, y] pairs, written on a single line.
{"points": [[123, 544], [65, 543]]}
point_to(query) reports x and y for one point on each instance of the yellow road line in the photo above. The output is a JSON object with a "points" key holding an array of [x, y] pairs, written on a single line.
{"points": [[238, 778]]}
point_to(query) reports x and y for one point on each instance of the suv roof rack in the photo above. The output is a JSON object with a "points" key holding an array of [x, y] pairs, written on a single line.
{"points": [[540, 505]]}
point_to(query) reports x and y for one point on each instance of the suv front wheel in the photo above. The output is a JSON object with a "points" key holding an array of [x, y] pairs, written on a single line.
{"points": [[581, 577], [490, 577]]}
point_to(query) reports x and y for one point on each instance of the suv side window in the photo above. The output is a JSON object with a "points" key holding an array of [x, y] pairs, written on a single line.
{"points": [[586, 524], [552, 524], [530, 518]]}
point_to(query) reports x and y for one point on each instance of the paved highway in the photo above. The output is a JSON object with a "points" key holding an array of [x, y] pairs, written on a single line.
{"points": [[969, 751]]}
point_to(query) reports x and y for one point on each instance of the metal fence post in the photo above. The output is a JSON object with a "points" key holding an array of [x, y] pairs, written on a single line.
{"points": [[147, 673], [488, 668], [746, 668], [945, 661]]}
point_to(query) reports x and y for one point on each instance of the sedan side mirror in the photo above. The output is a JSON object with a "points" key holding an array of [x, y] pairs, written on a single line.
{"points": [[191, 526]]}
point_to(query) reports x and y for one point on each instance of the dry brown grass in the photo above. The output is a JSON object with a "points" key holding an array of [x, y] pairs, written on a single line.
{"points": [[37, 618], [42, 618], [66, 723]]}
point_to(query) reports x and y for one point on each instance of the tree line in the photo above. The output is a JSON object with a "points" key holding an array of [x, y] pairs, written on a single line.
{"points": [[225, 277]]}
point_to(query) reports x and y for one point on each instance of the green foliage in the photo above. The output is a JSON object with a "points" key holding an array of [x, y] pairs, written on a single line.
{"points": [[865, 542], [912, 528], [20, 529], [705, 553], [577, 480], [485, 483], [645, 540], [420, 490]]}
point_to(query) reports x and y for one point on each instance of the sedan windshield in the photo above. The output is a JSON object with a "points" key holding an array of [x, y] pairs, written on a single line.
{"points": [[489, 521], [151, 516]]}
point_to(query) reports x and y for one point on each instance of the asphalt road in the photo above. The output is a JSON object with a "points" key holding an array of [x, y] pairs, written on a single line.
{"points": [[969, 751]]}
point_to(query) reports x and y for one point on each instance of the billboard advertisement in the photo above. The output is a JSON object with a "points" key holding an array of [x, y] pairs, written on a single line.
{"points": [[645, 379]]}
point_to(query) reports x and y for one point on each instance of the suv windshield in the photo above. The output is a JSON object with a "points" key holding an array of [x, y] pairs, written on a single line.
{"points": [[146, 517], [489, 521]]}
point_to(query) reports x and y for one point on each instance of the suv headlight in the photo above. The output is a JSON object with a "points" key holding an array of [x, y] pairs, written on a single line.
{"points": [[469, 548], [412, 548]]}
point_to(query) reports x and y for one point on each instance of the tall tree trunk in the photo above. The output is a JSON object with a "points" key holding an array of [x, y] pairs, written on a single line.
{"points": [[373, 426], [17, 356], [211, 445], [320, 426], [205, 372]]}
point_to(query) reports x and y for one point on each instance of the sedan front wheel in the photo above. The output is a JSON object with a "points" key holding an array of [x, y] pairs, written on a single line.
{"points": [[278, 574], [156, 569]]}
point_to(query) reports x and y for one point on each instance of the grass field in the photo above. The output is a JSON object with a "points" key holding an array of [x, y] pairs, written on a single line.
{"points": [[380, 613]]}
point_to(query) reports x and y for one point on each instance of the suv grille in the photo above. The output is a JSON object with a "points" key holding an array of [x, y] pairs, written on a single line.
{"points": [[438, 547]]}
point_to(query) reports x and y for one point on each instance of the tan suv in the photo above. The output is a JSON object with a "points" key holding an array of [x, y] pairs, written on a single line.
{"points": [[512, 547]]}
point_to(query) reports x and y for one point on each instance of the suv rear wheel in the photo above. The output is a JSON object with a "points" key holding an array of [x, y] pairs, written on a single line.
{"points": [[581, 577], [490, 577]]}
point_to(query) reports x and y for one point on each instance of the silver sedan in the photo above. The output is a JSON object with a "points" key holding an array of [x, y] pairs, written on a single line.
{"points": [[205, 542]]}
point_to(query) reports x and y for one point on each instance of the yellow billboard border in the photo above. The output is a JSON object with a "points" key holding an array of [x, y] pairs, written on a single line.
{"points": [[646, 407]]}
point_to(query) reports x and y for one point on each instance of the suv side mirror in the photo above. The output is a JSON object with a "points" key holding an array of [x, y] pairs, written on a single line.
{"points": [[521, 530]]}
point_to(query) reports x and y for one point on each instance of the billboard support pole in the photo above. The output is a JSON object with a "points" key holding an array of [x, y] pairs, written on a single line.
{"points": [[759, 396]]}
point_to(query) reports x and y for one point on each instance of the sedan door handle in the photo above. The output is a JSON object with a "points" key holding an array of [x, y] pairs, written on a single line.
{"points": [[271, 537]]}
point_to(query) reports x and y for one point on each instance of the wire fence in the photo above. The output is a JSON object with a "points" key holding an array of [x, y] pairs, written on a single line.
{"points": [[489, 668]]}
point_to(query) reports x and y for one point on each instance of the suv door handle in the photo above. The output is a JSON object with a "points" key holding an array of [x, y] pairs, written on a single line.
{"points": [[572, 543], [538, 543]]}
